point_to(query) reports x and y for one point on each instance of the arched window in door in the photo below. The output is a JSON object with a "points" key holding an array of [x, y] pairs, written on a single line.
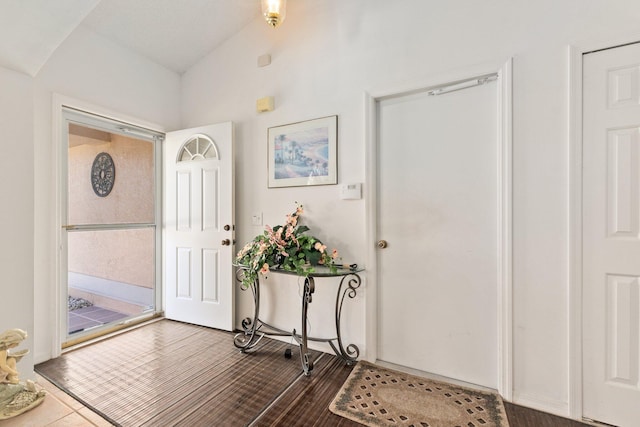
{"points": [[198, 147]]}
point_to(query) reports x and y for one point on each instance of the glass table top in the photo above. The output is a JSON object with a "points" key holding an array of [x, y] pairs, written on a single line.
{"points": [[319, 270]]}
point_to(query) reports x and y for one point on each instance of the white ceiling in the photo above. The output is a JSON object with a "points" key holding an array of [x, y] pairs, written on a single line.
{"points": [[173, 33]]}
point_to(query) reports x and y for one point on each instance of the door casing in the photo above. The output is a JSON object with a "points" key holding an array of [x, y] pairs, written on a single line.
{"points": [[60, 150], [504, 238]]}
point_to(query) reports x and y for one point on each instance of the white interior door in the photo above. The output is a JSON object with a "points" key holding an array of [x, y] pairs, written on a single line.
{"points": [[611, 236], [198, 225], [437, 209]]}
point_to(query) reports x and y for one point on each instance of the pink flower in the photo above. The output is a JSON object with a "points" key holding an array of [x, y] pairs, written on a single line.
{"points": [[299, 210], [265, 268], [244, 250], [320, 247], [262, 248], [334, 254], [292, 219]]}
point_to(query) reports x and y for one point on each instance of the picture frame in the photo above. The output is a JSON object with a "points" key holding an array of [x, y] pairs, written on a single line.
{"points": [[303, 153]]}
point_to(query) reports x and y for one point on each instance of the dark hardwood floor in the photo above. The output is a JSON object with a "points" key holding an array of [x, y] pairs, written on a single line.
{"points": [[520, 416], [216, 385], [306, 403]]}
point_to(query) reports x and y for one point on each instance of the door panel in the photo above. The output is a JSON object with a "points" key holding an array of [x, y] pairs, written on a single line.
{"points": [[199, 226], [437, 209], [611, 236]]}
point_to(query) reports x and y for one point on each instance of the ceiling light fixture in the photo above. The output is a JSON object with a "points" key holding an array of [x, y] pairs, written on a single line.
{"points": [[274, 11]]}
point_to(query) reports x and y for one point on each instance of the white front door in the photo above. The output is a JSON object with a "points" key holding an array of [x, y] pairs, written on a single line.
{"points": [[611, 236], [198, 225], [438, 211]]}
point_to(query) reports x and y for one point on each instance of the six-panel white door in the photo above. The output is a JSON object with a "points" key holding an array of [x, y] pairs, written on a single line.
{"points": [[611, 236], [198, 226]]}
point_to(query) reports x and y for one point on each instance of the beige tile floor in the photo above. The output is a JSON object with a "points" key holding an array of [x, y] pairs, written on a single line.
{"points": [[58, 410]]}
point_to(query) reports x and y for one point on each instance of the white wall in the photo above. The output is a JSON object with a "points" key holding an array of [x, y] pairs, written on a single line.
{"points": [[97, 72], [325, 56], [328, 53], [16, 209]]}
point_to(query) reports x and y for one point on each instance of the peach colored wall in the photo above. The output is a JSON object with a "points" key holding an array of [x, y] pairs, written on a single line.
{"points": [[131, 199], [124, 256]]}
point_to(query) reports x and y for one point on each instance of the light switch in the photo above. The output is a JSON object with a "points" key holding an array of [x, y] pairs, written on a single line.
{"points": [[256, 219], [351, 191]]}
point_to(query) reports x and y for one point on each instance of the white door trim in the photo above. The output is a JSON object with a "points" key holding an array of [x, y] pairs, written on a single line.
{"points": [[575, 54], [575, 233], [504, 185], [60, 150]]}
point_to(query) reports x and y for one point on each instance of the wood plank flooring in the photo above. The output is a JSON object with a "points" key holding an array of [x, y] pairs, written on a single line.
{"points": [[170, 373], [306, 403], [174, 374]]}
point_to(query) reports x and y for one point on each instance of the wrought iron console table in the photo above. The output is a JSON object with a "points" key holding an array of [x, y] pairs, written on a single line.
{"points": [[256, 328]]}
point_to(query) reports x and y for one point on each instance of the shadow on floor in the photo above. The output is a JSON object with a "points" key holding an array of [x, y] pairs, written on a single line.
{"points": [[90, 317]]}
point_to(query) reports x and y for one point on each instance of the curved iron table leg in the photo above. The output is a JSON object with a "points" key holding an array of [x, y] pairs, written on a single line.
{"points": [[246, 340], [351, 352], [305, 357]]}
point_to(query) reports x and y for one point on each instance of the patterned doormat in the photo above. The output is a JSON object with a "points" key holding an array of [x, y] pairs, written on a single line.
{"points": [[377, 396]]}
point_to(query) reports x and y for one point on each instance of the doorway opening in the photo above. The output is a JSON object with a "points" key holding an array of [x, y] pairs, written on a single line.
{"points": [[111, 235], [430, 215]]}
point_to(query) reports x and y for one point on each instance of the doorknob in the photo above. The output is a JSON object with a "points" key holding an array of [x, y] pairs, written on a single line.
{"points": [[382, 244], [226, 242]]}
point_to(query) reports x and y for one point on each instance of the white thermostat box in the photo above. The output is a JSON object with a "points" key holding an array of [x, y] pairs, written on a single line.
{"points": [[351, 191]]}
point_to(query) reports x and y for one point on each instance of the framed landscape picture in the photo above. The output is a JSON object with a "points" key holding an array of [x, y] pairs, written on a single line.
{"points": [[303, 153]]}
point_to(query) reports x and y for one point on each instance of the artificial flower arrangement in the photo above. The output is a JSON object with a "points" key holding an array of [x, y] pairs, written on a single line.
{"points": [[286, 247]]}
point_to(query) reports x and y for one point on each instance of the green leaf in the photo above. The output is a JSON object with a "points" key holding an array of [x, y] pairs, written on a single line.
{"points": [[313, 257]]}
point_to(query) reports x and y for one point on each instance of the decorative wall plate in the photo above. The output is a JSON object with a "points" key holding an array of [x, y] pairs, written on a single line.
{"points": [[103, 175]]}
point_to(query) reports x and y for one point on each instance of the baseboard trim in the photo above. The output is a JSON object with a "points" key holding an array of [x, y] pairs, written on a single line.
{"points": [[541, 403]]}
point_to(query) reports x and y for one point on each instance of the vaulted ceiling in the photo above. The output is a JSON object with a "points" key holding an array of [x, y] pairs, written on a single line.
{"points": [[172, 33]]}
